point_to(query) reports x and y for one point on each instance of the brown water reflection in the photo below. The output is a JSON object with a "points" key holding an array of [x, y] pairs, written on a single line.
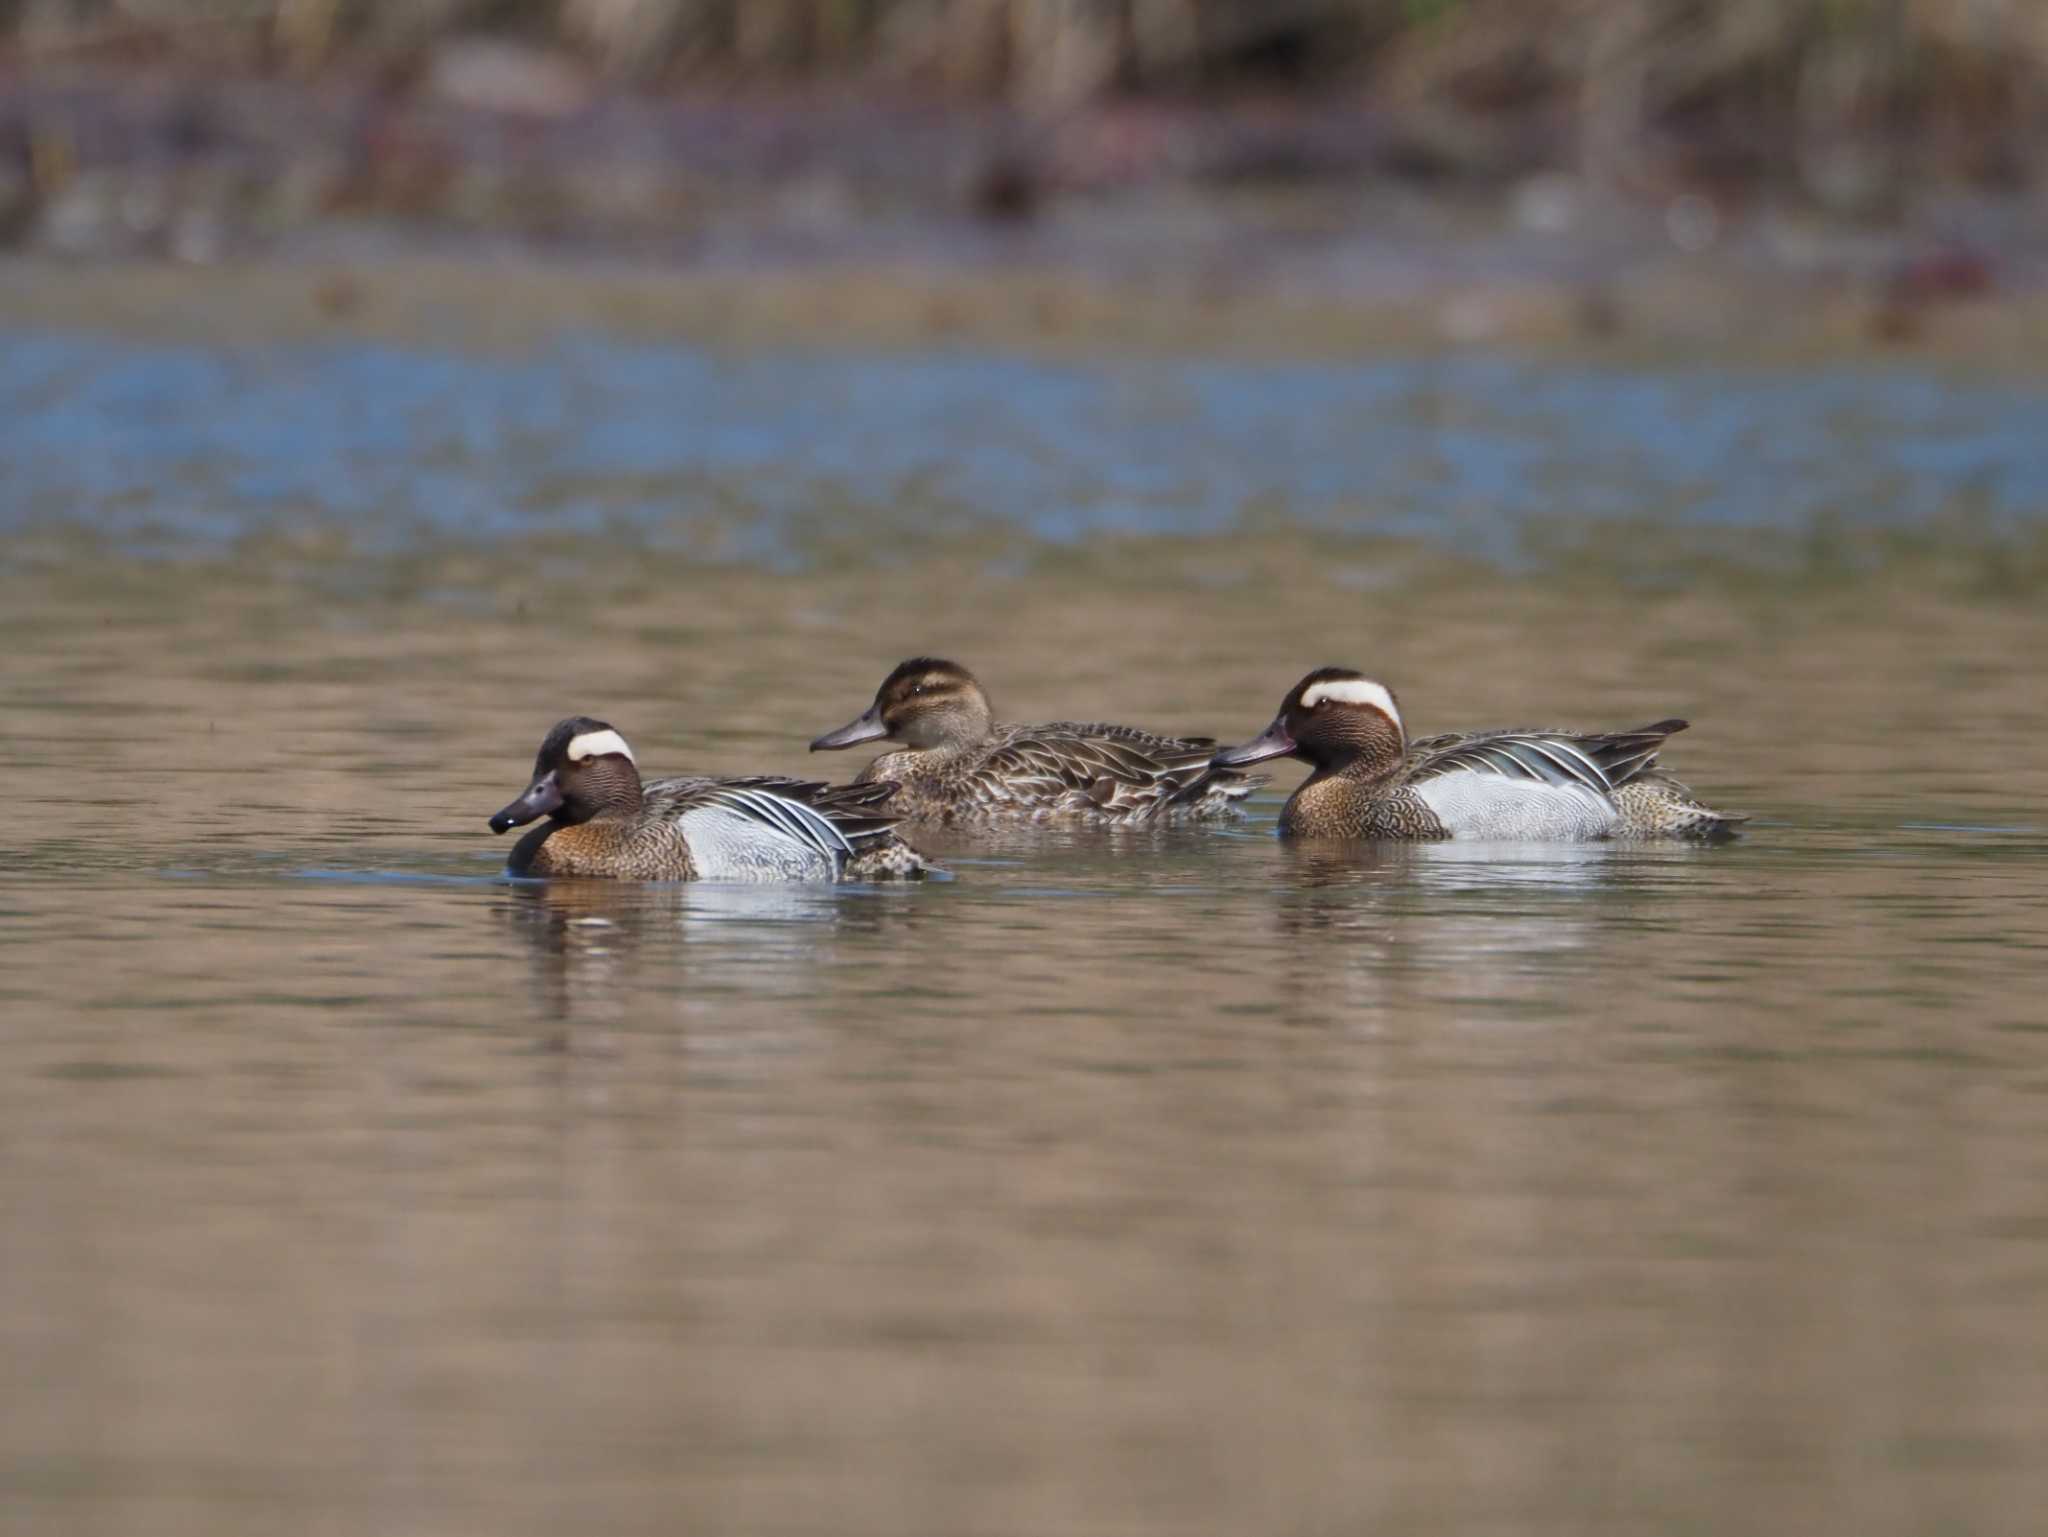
{"points": [[1177, 1182]]}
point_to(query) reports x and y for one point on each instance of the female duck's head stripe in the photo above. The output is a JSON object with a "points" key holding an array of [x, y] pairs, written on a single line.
{"points": [[1353, 691], [596, 744]]}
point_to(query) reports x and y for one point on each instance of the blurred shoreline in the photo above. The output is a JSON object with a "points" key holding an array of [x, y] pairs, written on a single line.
{"points": [[1331, 213], [387, 288]]}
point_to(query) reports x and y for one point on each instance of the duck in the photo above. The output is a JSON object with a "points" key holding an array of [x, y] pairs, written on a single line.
{"points": [[602, 821], [1523, 784], [957, 763]]}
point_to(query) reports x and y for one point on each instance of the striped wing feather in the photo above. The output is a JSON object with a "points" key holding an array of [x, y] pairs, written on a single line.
{"points": [[1086, 766], [832, 820], [1601, 762]]}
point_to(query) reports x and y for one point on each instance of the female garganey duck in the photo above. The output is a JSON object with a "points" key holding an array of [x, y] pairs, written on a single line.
{"points": [[601, 820], [959, 764], [1370, 781]]}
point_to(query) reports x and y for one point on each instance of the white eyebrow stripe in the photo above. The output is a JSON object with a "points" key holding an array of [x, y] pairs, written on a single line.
{"points": [[1353, 691], [595, 744]]}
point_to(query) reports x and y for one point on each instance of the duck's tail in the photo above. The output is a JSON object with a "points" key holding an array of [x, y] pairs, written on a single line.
{"points": [[1654, 805], [1201, 790], [1223, 787], [862, 813]]}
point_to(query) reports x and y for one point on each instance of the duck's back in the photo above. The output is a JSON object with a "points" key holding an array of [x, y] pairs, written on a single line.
{"points": [[1137, 737], [1532, 782], [1066, 770]]}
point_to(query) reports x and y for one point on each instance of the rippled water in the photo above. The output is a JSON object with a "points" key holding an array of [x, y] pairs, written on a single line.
{"points": [[1123, 1183], [770, 453]]}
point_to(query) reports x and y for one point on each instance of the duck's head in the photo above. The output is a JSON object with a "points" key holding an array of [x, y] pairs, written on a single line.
{"points": [[583, 767], [925, 702], [1330, 719]]}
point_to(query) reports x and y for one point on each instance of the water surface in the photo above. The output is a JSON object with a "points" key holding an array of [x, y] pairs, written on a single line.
{"points": [[1125, 1183], [766, 455]]}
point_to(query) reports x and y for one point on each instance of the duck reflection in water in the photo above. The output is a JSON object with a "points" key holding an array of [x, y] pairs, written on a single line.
{"points": [[1384, 922], [598, 944]]}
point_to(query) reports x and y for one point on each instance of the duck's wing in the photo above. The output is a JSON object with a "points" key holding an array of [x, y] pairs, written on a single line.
{"points": [[754, 828], [857, 810], [1184, 772], [1069, 766], [1596, 762], [860, 811]]}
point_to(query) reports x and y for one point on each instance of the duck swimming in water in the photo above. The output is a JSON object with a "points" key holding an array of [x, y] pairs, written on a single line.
{"points": [[602, 821], [1371, 781], [957, 763]]}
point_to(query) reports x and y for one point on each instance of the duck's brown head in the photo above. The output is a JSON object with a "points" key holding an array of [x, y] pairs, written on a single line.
{"points": [[924, 703], [1334, 718], [584, 767]]}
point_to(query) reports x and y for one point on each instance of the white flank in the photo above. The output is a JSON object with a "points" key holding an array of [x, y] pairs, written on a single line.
{"points": [[752, 835], [595, 744], [1353, 691], [1493, 807]]}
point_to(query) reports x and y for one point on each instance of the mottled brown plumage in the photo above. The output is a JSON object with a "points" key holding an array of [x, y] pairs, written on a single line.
{"points": [[958, 764], [1370, 781], [602, 821]]}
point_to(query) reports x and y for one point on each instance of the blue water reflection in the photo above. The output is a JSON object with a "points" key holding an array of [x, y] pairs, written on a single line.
{"points": [[142, 440]]}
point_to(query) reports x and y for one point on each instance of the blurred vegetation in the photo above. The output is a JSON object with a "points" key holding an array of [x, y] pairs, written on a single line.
{"points": [[1847, 85], [1852, 104]]}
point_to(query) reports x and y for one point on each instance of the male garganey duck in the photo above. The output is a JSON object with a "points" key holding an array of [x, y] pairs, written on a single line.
{"points": [[601, 820], [1370, 781]]}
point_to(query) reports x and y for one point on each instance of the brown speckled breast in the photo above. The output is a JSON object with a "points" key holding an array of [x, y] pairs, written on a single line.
{"points": [[920, 779], [1336, 807], [603, 847]]}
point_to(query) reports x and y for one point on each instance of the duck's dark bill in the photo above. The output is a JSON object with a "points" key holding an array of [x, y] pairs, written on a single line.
{"points": [[865, 728], [1274, 742], [542, 796]]}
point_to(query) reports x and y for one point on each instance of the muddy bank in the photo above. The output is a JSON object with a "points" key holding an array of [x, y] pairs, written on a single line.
{"points": [[495, 297]]}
